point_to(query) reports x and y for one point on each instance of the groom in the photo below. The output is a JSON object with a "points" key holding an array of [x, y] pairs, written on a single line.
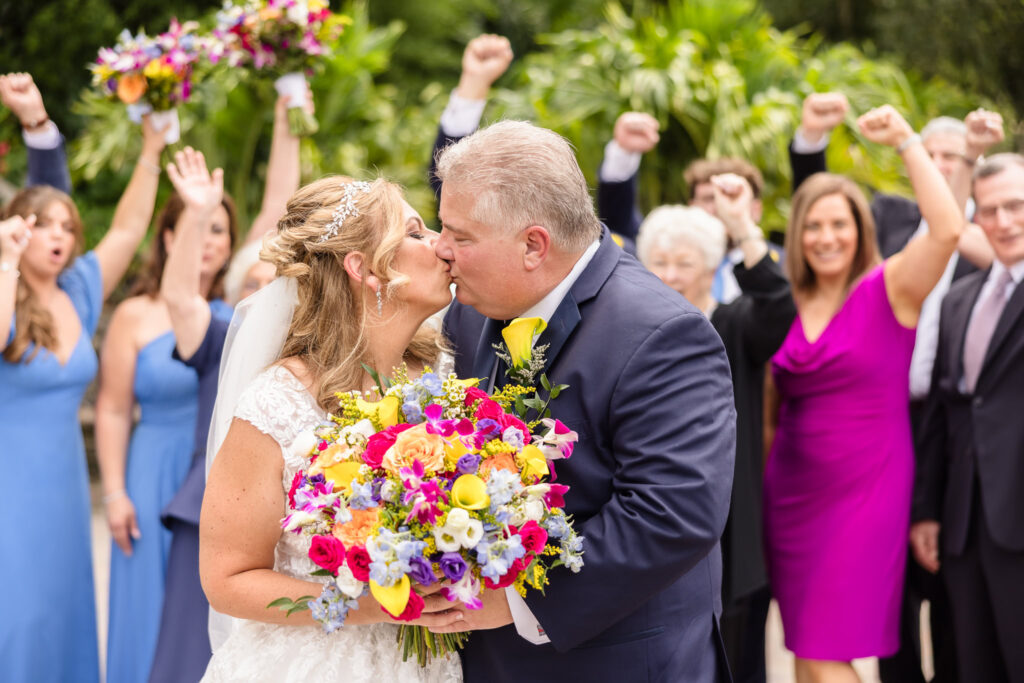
{"points": [[650, 397]]}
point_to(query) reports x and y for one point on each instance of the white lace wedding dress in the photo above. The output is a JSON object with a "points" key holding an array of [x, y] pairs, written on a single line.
{"points": [[278, 405]]}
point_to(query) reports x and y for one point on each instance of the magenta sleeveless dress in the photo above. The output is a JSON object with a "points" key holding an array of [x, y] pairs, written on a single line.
{"points": [[838, 480]]}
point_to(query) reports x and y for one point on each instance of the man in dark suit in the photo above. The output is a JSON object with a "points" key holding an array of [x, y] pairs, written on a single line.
{"points": [[954, 147], [650, 397], [47, 163], [971, 471]]}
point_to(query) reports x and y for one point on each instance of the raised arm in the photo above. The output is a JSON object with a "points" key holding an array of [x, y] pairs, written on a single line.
{"points": [[47, 161], [820, 114], [484, 60], [114, 404], [180, 286], [911, 274], [635, 134], [14, 236], [282, 172], [765, 314], [984, 130], [134, 212]]}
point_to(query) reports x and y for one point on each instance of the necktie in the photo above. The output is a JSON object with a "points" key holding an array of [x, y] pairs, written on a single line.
{"points": [[980, 329]]}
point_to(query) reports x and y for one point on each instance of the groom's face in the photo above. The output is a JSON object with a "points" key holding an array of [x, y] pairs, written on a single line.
{"points": [[486, 261]]}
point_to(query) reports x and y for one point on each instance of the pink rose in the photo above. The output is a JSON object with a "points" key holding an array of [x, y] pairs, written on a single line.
{"points": [[511, 575], [473, 395], [489, 410], [534, 537], [359, 562], [507, 421], [378, 444], [327, 552], [296, 480]]}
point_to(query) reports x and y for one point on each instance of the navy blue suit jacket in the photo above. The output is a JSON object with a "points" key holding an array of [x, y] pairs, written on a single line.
{"points": [[49, 167], [651, 399]]}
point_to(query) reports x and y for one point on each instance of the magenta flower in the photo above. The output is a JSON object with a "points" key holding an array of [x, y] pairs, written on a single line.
{"points": [[424, 496]]}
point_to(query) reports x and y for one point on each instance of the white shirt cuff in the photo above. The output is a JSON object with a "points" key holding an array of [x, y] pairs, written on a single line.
{"points": [[526, 624], [462, 116], [802, 146], [618, 165], [47, 138]]}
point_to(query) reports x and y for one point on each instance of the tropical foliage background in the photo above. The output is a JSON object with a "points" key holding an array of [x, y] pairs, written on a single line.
{"points": [[724, 77]]}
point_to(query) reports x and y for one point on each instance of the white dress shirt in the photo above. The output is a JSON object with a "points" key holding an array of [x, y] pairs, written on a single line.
{"points": [[47, 138], [526, 624], [461, 117], [618, 164]]}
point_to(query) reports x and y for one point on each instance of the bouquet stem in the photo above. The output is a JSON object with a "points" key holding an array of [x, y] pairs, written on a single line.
{"points": [[300, 122], [419, 641]]}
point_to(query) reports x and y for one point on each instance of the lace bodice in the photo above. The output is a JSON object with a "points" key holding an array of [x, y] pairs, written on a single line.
{"points": [[278, 405]]}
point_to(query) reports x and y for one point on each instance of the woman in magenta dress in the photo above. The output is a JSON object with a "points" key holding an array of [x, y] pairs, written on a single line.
{"points": [[839, 475]]}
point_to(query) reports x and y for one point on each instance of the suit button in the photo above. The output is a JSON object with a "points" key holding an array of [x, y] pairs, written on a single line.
{"points": [[978, 402]]}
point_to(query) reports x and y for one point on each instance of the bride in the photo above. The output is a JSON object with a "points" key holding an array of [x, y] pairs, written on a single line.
{"points": [[357, 279]]}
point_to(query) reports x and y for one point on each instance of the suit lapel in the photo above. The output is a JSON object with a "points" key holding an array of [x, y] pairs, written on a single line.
{"points": [[960, 317], [485, 359], [1011, 313]]}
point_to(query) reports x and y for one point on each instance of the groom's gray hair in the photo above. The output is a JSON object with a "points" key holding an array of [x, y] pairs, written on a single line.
{"points": [[522, 175]]}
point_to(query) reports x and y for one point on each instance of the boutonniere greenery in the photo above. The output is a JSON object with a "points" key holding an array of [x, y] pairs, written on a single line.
{"points": [[524, 362]]}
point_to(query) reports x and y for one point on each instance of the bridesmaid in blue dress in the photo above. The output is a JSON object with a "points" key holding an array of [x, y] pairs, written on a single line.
{"points": [[50, 304], [183, 646], [141, 475]]}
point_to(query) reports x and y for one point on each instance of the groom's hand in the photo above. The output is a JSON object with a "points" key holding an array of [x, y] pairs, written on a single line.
{"points": [[495, 613]]}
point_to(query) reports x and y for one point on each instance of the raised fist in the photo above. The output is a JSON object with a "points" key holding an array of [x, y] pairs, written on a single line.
{"points": [[19, 93], [885, 126], [733, 196], [822, 112], [984, 129], [636, 132], [15, 233], [485, 59]]}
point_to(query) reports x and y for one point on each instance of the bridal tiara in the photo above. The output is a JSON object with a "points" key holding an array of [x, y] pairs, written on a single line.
{"points": [[345, 209]]}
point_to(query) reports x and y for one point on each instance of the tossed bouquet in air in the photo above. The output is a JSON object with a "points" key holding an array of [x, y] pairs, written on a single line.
{"points": [[152, 73], [283, 38], [435, 479]]}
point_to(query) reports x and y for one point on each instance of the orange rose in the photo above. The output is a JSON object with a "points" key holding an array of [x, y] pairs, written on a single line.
{"points": [[416, 444], [131, 87], [501, 461], [359, 528]]}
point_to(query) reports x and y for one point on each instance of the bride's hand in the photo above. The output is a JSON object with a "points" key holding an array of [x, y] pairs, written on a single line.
{"points": [[438, 612]]}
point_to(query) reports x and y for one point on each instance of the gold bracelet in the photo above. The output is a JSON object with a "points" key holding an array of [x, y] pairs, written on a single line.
{"points": [[149, 165]]}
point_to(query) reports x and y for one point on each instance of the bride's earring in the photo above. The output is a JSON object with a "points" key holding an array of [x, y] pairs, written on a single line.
{"points": [[380, 303]]}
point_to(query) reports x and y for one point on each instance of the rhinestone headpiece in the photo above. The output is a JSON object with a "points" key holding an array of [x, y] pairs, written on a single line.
{"points": [[345, 209]]}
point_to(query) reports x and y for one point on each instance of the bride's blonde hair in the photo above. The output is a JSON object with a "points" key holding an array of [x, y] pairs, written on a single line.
{"points": [[326, 332]]}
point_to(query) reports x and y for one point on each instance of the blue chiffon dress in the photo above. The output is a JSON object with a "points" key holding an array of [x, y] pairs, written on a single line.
{"points": [[48, 619], [159, 457]]}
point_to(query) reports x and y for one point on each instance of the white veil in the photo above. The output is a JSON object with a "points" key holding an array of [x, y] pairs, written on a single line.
{"points": [[254, 340]]}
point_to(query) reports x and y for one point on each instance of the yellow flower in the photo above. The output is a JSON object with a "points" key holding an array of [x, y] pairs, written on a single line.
{"points": [[385, 410], [518, 336], [392, 598], [342, 474], [532, 462], [470, 493]]}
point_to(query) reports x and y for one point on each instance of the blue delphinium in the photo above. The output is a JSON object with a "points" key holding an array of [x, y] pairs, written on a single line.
{"points": [[501, 486], [331, 608]]}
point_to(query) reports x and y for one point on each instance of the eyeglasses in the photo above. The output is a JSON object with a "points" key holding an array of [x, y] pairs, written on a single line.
{"points": [[1013, 207]]}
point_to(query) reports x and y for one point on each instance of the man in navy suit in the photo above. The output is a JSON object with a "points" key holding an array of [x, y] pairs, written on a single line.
{"points": [[650, 397]]}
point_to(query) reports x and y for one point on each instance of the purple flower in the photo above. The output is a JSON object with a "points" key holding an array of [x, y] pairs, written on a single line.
{"points": [[421, 572], [468, 464], [453, 566]]}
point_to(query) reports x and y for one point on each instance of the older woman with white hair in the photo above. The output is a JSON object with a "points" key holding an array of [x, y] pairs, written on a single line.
{"points": [[683, 246]]}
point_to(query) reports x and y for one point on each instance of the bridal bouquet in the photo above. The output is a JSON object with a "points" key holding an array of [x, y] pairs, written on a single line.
{"points": [[434, 481], [151, 74], [284, 37]]}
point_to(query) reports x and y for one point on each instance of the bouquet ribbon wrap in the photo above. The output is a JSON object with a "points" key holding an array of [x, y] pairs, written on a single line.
{"points": [[293, 86], [166, 121]]}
